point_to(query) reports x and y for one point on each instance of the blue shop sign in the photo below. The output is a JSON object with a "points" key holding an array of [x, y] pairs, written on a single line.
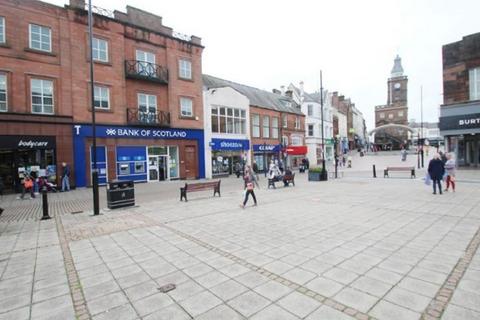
{"points": [[132, 132], [267, 147], [230, 144]]}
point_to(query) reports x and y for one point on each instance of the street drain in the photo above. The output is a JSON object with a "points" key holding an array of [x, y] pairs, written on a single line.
{"points": [[167, 287]]}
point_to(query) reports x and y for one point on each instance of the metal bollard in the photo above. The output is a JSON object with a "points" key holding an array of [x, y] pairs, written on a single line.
{"points": [[45, 215], [374, 172]]}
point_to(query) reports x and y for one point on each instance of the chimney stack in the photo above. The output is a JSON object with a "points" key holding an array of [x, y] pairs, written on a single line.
{"points": [[301, 89], [282, 89]]}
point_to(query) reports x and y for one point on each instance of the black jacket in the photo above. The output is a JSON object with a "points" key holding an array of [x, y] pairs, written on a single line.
{"points": [[436, 169]]}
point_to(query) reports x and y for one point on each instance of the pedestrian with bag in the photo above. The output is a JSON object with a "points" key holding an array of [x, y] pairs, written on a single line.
{"points": [[65, 177], [27, 187], [436, 170], [249, 188], [450, 169]]}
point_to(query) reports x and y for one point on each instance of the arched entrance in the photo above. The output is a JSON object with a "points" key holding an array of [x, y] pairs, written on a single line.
{"points": [[391, 136]]}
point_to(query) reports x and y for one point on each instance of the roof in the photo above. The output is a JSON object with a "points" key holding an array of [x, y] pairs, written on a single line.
{"points": [[258, 98], [397, 70]]}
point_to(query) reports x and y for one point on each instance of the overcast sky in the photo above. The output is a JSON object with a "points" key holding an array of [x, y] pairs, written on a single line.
{"points": [[267, 44]]}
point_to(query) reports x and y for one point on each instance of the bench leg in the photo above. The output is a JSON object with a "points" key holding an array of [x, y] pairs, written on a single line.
{"points": [[215, 191], [183, 194], [413, 174], [385, 173]]}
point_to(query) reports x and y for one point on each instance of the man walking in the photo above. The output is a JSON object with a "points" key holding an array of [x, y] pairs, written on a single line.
{"points": [[436, 170], [65, 177]]}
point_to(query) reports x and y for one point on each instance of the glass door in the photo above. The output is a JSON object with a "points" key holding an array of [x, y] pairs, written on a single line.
{"points": [[163, 168], [153, 174]]}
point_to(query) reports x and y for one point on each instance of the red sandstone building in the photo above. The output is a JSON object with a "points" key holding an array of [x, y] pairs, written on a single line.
{"points": [[148, 94]]}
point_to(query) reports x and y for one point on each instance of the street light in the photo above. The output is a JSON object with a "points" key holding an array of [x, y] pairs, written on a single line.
{"points": [[265, 159], [323, 173], [96, 210], [335, 142]]}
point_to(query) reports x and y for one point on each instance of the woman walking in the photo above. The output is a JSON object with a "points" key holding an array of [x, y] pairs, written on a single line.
{"points": [[450, 168], [249, 187], [436, 171]]}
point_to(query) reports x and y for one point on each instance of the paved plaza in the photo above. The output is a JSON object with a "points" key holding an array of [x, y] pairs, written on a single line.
{"points": [[351, 248]]}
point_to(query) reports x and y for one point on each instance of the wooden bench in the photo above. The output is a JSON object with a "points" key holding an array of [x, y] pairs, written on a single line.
{"points": [[200, 186], [411, 169], [287, 179]]}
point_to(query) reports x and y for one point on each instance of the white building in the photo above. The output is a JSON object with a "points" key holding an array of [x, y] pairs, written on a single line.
{"points": [[430, 132], [359, 127], [226, 128], [311, 107]]}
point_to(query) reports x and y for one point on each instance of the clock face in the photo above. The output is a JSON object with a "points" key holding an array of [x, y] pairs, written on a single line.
{"points": [[397, 85]]}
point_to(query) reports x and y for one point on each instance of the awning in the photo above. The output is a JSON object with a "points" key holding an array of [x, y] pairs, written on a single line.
{"points": [[296, 150]]}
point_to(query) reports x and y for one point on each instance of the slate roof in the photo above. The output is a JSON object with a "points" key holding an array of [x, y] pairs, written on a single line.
{"points": [[258, 98]]}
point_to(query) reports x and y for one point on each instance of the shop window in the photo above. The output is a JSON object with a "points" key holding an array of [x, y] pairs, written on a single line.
{"points": [[173, 152], [42, 96], [310, 130], [256, 126], [186, 107], [474, 80], [40, 38], [140, 167], [275, 127], [101, 97], [266, 127], [3, 92], [2, 30], [100, 50], [185, 69]]}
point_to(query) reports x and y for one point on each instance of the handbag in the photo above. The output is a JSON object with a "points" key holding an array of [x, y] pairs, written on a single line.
{"points": [[250, 186], [428, 180], [28, 184]]}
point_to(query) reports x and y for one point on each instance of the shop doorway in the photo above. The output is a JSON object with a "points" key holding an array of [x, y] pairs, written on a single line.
{"points": [[190, 162], [158, 168], [7, 171]]}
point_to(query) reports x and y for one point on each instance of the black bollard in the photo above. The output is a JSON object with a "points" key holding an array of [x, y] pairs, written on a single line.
{"points": [[45, 215], [374, 172]]}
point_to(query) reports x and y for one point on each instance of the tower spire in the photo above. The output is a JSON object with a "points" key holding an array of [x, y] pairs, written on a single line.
{"points": [[397, 70]]}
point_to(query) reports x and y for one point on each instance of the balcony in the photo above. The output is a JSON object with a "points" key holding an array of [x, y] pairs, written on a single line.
{"points": [[142, 70], [138, 117]]}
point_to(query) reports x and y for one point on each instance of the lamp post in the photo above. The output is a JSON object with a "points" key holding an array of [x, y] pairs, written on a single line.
{"points": [[323, 173], [265, 159], [96, 210], [421, 119], [335, 141]]}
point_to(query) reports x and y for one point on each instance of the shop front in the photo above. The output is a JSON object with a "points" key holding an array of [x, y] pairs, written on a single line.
{"points": [[227, 155], [295, 155], [460, 127], [263, 154], [139, 154], [26, 155]]}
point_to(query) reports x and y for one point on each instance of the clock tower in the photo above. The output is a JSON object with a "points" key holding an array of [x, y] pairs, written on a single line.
{"points": [[397, 85]]}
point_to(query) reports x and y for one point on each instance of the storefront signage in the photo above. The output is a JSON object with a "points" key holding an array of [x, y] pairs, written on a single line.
{"points": [[469, 121], [27, 142], [296, 150], [129, 132], [267, 147], [230, 144]]}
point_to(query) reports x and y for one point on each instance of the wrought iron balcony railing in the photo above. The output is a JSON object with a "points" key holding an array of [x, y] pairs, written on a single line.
{"points": [[146, 71], [140, 117]]}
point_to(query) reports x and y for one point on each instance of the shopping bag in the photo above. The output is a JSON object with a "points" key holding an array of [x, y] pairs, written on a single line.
{"points": [[427, 179]]}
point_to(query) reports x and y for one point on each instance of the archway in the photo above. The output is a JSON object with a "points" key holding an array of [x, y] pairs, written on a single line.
{"points": [[387, 140]]}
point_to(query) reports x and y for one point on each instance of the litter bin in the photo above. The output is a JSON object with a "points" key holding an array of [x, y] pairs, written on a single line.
{"points": [[120, 194]]}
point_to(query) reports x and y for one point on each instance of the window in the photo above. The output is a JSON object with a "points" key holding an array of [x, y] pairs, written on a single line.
{"points": [[310, 110], [266, 127], [146, 63], [390, 116], [400, 113], [186, 107], [297, 141], [285, 140], [310, 130], [100, 50], [147, 107], [40, 38], [474, 79], [185, 69], [3, 92], [2, 30], [256, 126], [297, 122], [285, 121], [228, 120], [42, 96], [274, 127], [382, 115], [101, 97]]}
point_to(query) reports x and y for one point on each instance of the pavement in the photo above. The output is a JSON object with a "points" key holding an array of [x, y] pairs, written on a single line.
{"points": [[351, 248]]}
